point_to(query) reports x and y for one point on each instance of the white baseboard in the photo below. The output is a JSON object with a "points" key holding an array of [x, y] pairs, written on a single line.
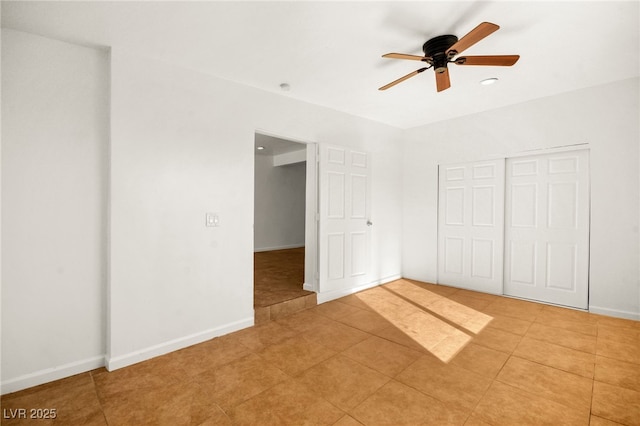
{"points": [[113, 363], [308, 287], [336, 294], [50, 374], [60, 372], [291, 246], [614, 313]]}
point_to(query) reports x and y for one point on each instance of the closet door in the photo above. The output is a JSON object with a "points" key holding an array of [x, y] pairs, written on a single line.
{"points": [[547, 228], [471, 225]]}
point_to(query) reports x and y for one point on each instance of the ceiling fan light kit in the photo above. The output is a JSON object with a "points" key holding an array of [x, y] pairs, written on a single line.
{"points": [[489, 81], [442, 50]]}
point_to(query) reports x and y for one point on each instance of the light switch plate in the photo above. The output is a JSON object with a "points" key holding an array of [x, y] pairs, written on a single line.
{"points": [[212, 219]]}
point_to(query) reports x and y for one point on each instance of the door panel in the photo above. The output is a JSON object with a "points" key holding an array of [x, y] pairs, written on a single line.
{"points": [[345, 203], [563, 202], [561, 266], [470, 225], [454, 255], [335, 196], [454, 206], [482, 254], [358, 253], [524, 211], [358, 196], [335, 258], [523, 262], [482, 206], [547, 228]]}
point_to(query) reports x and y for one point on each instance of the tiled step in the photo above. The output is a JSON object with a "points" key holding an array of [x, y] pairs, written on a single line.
{"points": [[264, 314]]}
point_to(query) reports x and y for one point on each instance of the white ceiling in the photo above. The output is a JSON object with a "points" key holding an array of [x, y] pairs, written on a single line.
{"points": [[329, 52]]}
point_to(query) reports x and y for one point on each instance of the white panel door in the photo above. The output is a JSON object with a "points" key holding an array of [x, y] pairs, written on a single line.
{"points": [[344, 231], [471, 225], [547, 228]]}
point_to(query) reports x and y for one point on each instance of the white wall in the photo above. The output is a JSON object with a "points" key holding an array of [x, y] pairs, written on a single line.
{"points": [[182, 145], [279, 209], [54, 204], [174, 145], [605, 117]]}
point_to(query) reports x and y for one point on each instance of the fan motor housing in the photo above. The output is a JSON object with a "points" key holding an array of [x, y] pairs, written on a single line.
{"points": [[436, 48], [438, 44]]}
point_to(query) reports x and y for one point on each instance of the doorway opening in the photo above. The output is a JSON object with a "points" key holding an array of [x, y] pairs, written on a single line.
{"points": [[284, 227]]}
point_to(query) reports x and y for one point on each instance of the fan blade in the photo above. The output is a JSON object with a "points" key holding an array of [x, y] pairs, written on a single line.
{"points": [[405, 56], [474, 36], [496, 60], [442, 80], [401, 79]]}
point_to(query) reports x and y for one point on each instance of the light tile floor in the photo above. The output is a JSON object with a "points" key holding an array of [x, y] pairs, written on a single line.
{"points": [[403, 353]]}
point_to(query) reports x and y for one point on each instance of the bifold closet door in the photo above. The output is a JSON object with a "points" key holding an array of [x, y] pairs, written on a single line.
{"points": [[547, 228], [471, 225]]}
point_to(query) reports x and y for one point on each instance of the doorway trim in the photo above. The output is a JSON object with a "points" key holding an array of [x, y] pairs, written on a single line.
{"points": [[311, 275]]}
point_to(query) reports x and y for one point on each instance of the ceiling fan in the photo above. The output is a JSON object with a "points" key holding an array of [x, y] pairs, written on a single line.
{"points": [[441, 50]]}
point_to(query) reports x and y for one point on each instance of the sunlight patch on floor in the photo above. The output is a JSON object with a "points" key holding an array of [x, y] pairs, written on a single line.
{"points": [[438, 324]]}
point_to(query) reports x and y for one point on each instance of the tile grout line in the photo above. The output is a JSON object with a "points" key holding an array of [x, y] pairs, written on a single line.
{"points": [[445, 403], [554, 368], [559, 344], [493, 380], [95, 390]]}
